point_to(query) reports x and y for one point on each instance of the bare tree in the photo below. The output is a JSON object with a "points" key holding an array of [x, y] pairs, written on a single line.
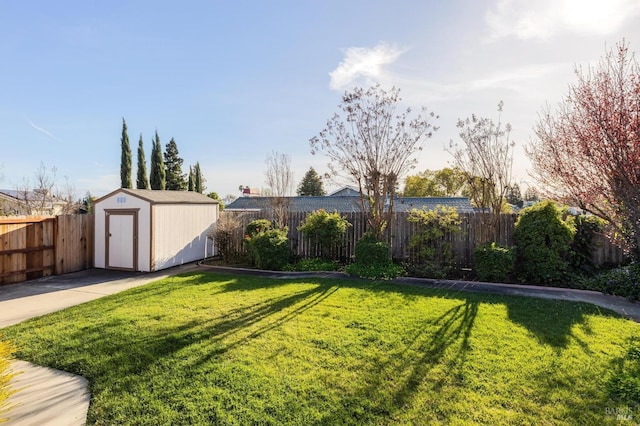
{"points": [[486, 159], [279, 179], [587, 151], [374, 145], [227, 228], [43, 196]]}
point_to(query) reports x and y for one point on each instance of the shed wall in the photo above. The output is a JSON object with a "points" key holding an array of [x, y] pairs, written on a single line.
{"points": [[121, 201], [180, 233]]}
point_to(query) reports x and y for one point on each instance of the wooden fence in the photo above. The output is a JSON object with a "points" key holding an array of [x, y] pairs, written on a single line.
{"points": [[34, 247], [474, 231]]}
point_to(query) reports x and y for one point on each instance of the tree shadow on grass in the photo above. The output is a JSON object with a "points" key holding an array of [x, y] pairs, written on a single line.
{"points": [[115, 352], [406, 371], [126, 351], [552, 321]]}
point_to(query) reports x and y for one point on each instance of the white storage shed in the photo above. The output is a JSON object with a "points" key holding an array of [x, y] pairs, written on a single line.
{"points": [[147, 230]]}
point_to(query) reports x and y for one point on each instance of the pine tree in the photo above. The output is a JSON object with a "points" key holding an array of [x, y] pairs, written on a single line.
{"points": [[157, 178], [514, 196], [175, 180], [190, 185], [142, 181], [198, 180], [311, 184], [125, 158]]}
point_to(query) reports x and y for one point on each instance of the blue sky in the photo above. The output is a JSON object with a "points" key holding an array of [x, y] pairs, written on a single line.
{"points": [[233, 81]]}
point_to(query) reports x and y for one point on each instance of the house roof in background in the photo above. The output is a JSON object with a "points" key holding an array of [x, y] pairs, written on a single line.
{"points": [[349, 203], [20, 195], [345, 190], [405, 204]]}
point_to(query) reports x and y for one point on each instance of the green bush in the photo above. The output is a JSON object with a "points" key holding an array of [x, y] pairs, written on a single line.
{"points": [[270, 249], [314, 264], [6, 357], [543, 238], [373, 259], [434, 253], [256, 226], [583, 245], [370, 251], [376, 272], [623, 281], [493, 262], [325, 229]]}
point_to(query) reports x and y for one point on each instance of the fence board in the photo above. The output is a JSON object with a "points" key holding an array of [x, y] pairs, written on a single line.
{"points": [[33, 247]]}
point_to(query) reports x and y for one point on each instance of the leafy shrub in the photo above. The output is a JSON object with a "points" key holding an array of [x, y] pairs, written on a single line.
{"points": [[6, 356], [314, 264], [493, 262], [256, 226], [543, 238], [426, 270], [325, 229], [583, 245], [434, 253], [373, 259], [270, 249], [376, 272], [623, 281], [370, 250]]}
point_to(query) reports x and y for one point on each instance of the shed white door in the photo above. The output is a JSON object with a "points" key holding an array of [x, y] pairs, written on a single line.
{"points": [[121, 240]]}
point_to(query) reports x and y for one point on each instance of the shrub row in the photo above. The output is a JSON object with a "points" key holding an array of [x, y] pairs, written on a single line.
{"points": [[552, 248]]}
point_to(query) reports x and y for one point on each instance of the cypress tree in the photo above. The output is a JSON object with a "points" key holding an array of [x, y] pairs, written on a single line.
{"points": [[125, 158], [198, 181], [142, 181], [190, 185], [157, 178], [175, 180]]}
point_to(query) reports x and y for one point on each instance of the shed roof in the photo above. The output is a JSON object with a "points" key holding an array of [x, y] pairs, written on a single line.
{"points": [[165, 197]]}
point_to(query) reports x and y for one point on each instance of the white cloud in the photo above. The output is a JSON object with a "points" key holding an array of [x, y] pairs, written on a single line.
{"points": [[41, 130], [522, 81], [544, 19], [363, 62]]}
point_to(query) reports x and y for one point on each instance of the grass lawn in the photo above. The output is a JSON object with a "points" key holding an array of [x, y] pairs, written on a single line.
{"points": [[207, 348]]}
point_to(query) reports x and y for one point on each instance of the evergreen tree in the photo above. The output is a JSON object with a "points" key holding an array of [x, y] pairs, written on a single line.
{"points": [[190, 185], [531, 194], [142, 181], [311, 184], [125, 158], [514, 196], [198, 181], [157, 180], [215, 196], [175, 180]]}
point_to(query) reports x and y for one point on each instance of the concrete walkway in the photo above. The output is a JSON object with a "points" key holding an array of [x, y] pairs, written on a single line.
{"points": [[44, 396]]}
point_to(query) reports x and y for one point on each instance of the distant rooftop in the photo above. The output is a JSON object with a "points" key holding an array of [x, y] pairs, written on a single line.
{"points": [[349, 203]]}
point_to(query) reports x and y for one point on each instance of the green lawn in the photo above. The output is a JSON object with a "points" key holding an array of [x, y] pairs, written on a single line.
{"points": [[208, 348]]}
